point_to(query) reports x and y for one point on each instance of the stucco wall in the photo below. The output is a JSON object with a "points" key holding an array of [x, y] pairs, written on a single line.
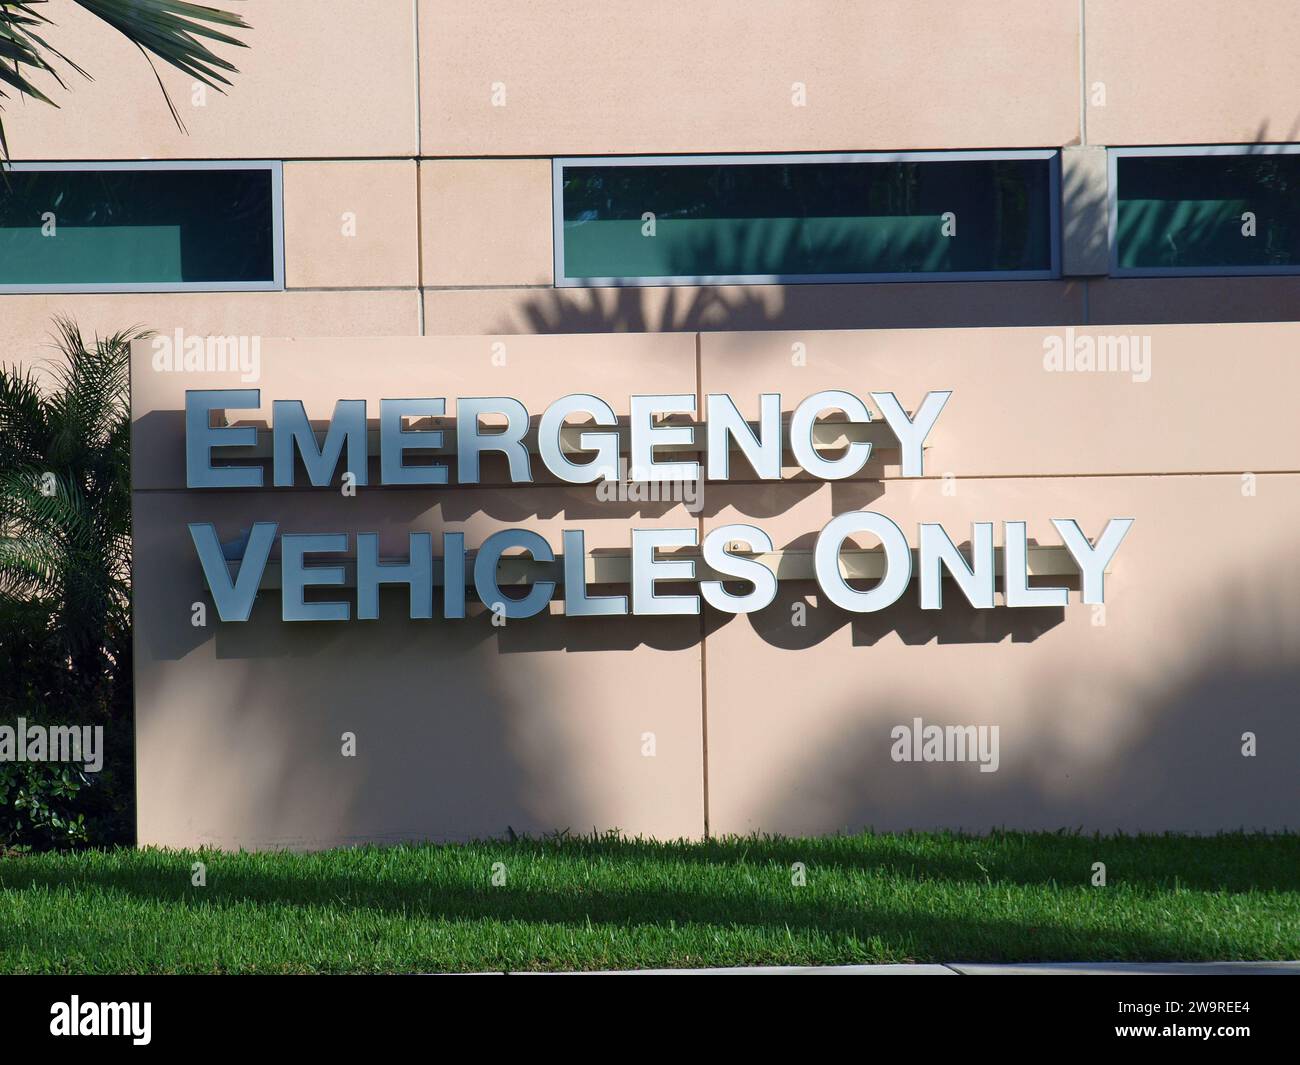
{"points": [[356, 96]]}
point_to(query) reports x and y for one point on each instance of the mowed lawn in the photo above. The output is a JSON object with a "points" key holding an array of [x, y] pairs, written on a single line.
{"points": [[610, 903]]}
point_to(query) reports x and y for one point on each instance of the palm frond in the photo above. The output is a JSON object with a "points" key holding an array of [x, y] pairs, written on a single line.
{"points": [[24, 420], [65, 507], [94, 388], [173, 31], [170, 29]]}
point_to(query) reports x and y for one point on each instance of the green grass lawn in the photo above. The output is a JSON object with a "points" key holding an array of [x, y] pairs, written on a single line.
{"points": [[593, 903]]}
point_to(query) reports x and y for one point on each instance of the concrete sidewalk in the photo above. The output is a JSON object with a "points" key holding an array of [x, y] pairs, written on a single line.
{"points": [[1133, 968], [1050, 968]]}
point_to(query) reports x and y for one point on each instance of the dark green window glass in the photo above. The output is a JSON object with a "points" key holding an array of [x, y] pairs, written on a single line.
{"points": [[136, 227], [808, 220], [1185, 212]]}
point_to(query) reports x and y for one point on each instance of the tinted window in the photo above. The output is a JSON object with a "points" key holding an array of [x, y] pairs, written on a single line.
{"points": [[1207, 213], [136, 227], [807, 219]]}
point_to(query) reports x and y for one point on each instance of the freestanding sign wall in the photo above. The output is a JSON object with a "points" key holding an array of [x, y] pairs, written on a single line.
{"points": [[1025, 577]]}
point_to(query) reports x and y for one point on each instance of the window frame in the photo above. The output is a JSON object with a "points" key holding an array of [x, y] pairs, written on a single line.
{"points": [[1052, 155], [1113, 155], [274, 166]]}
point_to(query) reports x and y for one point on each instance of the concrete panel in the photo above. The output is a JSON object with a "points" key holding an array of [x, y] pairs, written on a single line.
{"points": [[1201, 410], [486, 221], [1193, 299], [26, 321], [351, 224], [462, 728], [320, 78], [1192, 71], [583, 77], [1129, 719], [670, 309]]}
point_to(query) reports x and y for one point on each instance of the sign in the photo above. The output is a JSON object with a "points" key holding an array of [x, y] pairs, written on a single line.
{"points": [[720, 560]]}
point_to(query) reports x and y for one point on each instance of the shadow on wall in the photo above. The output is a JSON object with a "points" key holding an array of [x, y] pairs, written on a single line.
{"points": [[463, 741], [1096, 299], [1181, 765], [1186, 300], [885, 305], [453, 740], [463, 728], [1171, 759]]}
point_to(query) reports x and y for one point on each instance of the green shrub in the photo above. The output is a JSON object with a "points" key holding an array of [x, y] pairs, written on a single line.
{"points": [[38, 806]]}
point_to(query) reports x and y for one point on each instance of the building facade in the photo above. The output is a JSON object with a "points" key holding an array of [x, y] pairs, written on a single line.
{"points": [[418, 198]]}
